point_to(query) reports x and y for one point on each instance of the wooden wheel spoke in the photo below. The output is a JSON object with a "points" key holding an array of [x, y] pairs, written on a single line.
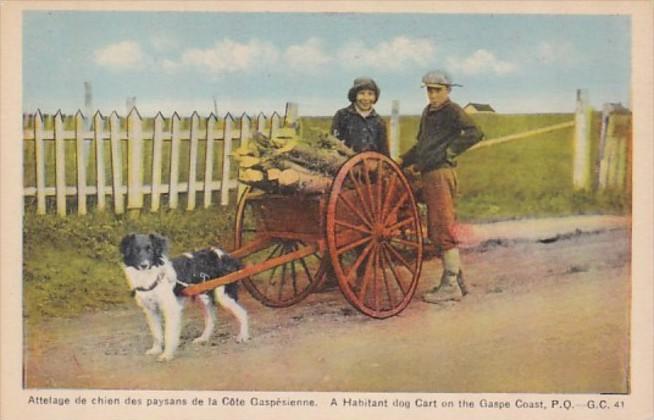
{"points": [[401, 223], [385, 277], [359, 228], [396, 207], [394, 270], [380, 187], [281, 283], [374, 279], [405, 242], [371, 196], [356, 211], [294, 277], [359, 260], [366, 278], [274, 269], [387, 197], [306, 270], [353, 245], [399, 257], [364, 204]]}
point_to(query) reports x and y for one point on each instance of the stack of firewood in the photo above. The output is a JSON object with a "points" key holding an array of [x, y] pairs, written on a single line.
{"points": [[287, 163]]}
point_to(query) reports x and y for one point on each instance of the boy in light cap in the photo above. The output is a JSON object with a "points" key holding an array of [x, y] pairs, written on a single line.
{"points": [[445, 132], [358, 125]]}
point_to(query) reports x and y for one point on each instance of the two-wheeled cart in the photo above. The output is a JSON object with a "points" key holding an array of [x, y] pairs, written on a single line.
{"points": [[365, 231]]}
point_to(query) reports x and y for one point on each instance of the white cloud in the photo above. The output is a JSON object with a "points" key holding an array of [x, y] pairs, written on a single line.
{"points": [[481, 61], [550, 53], [163, 42], [396, 54], [226, 56], [124, 55], [307, 56]]}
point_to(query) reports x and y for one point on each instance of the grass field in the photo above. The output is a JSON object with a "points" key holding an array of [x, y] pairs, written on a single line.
{"points": [[71, 264]]}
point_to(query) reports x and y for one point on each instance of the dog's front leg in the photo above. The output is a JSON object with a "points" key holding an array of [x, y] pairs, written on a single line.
{"points": [[172, 310], [154, 323]]}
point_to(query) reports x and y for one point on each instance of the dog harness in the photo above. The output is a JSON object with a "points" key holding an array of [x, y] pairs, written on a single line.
{"points": [[151, 287]]}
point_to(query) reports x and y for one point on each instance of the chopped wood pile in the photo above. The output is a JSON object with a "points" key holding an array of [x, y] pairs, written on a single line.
{"points": [[287, 163]]}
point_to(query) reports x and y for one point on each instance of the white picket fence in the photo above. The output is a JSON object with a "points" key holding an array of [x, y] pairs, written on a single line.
{"points": [[108, 129]]}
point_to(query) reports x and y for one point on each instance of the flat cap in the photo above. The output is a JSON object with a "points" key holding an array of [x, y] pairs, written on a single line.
{"points": [[436, 78]]}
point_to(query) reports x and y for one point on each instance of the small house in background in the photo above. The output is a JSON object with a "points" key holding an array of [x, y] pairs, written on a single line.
{"points": [[473, 108], [616, 108]]}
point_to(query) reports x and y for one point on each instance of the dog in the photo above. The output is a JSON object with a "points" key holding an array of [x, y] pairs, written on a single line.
{"points": [[157, 283]]}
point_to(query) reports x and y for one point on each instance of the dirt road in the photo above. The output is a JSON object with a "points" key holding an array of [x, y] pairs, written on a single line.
{"points": [[541, 317]]}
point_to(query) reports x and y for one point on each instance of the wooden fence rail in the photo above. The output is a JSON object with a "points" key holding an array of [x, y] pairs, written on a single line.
{"points": [[126, 137]]}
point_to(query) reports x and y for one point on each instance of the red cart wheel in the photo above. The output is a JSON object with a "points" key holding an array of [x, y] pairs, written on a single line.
{"points": [[374, 235], [283, 285]]}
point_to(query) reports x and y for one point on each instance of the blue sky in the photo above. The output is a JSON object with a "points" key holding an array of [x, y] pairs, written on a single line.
{"points": [[252, 62]]}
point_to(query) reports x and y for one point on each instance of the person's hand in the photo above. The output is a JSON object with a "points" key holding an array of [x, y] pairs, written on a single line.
{"points": [[399, 161]]}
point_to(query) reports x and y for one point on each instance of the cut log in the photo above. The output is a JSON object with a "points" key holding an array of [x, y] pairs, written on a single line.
{"points": [[272, 174], [251, 175]]}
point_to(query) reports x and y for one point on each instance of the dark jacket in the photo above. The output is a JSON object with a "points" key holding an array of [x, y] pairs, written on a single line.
{"points": [[359, 133], [445, 132]]}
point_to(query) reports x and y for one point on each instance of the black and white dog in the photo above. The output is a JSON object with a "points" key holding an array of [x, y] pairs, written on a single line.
{"points": [[157, 282]]}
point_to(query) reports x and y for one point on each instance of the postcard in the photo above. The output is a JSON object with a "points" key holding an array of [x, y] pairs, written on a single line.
{"points": [[327, 210]]}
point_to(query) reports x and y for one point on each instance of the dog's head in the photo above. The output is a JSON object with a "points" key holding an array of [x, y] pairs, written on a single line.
{"points": [[143, 251]]}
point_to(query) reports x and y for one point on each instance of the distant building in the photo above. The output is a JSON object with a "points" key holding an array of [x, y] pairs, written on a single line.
{"points": [[616, 108], [473, 108]]}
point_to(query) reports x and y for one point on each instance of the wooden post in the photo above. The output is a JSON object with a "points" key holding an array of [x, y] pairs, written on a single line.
{"points": [[291, 116], [245, 139], [116, 163], [394, 131], [193, 161], [39, 152], [261, 123], [581, 168], [602, 173], [275, 122], [80, 129], [134, 161], [612, 154], [174, 163], [208, 159], [227, 153], [98, 138], [621, 162], [60, 164], [157, 159]]}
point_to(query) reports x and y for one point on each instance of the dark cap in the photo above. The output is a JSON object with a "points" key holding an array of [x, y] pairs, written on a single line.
{"points": [[361, 83]]}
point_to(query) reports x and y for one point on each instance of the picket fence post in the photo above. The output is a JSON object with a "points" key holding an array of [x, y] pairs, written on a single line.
{"points": [[98, 138], [39, 156], [60, 164], [208, 159], [174, 163], [193, 161], [116, 163], [261, 123], [157, 160], [80, 129], [227, 153], [134, 161], [245, 139]]}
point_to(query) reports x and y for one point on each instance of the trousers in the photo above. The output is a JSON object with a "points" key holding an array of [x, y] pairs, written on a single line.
{"points": [[440, 187]]}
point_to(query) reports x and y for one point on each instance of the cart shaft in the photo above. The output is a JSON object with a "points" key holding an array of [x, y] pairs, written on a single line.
{"points": [[250, 270]]}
